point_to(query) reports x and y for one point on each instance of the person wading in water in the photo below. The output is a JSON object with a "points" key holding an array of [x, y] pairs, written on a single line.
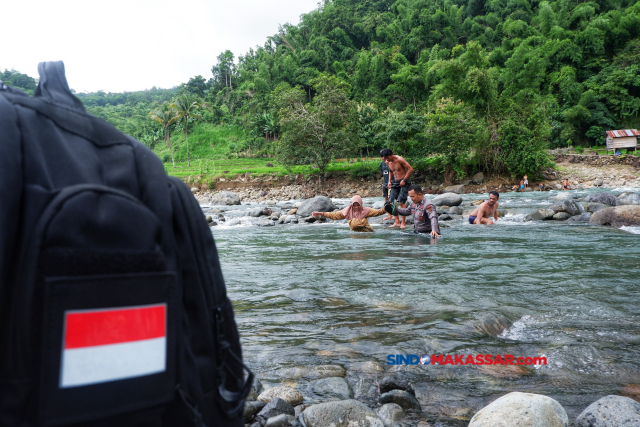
{"points": [[485, 210], [355, 214], [399, 172]]}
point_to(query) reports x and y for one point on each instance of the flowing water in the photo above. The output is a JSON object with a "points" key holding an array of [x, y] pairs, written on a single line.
{"points": [[318, 294]]}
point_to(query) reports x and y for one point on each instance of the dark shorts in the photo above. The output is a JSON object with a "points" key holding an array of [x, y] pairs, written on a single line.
{"points": [[385, 190], [399, 193], [472, 219]]}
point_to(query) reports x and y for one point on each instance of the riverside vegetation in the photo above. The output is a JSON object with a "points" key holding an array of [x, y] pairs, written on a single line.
{"points": [[475, 86]]}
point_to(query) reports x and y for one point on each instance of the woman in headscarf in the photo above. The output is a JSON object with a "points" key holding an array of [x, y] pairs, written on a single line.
{"points": [[355, 213]]}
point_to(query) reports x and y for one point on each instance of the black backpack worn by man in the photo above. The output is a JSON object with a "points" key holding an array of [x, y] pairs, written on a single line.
{"points": [[113, 310]]}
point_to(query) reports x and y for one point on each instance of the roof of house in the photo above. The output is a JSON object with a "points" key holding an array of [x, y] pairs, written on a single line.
{"points": [[621, 133]]}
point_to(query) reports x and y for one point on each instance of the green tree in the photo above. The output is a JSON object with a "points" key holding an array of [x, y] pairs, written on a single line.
{"points": [[316, 131], [186, 106], [166, 116]]}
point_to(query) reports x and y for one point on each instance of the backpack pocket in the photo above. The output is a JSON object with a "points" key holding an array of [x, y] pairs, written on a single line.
{"points": [[103, 306]]}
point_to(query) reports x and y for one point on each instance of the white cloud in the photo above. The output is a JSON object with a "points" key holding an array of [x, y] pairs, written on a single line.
{"points": [[132, 45]]}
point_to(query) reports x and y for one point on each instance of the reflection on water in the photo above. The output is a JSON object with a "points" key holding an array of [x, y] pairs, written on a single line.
{"points": [[320, 294]]}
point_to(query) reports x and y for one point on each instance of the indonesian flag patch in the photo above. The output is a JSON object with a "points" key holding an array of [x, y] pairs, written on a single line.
{"points": [[113, 344]]}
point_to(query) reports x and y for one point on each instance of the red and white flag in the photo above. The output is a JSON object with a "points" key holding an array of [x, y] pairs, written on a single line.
{"points": [[113, 344]]}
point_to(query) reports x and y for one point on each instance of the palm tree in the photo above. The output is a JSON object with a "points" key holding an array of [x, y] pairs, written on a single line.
{"points": [[185, 106], [166, 116]]}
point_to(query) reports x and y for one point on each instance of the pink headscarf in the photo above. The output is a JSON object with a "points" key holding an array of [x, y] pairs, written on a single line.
{"points": [[349, 213]]}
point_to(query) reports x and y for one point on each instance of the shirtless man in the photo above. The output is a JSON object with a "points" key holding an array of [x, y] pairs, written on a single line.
{"points": [[399, 173], [566, 185], [485, 210]]}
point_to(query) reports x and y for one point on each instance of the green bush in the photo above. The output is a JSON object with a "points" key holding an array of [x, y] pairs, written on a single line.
{"points": [[579, 149], [364, 169]]}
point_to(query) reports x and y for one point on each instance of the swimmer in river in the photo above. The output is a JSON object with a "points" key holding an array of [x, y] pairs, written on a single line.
{"points": [[425, 218], [355, 214], [483, 213], [399, 172], [566, 185]]}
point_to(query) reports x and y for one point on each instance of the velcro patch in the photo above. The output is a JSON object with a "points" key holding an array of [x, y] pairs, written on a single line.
{"points": [[429, 209]]}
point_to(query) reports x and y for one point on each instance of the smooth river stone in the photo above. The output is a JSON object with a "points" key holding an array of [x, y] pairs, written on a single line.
{"points": [[521, 409], [341, 413], [313, 372], [395, 383], [333, 387], [610, 411], [403, 398], [290, 395], [390, 413]]}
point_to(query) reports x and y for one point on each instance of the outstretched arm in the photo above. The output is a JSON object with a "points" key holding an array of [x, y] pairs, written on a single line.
{"points": [[331, 215], [375, 212]]}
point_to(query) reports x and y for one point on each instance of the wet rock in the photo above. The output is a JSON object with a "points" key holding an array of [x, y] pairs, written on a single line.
{"points": [[610, 411], [540, 215], [300, 409], [390, 413], [288, 394], [378, 205], [629, 199], [333, 387], [395, 383], [568, 206], [585, 217], [444, 217], [225, 198], [275, 407], [341, 413], [477, 202], [521, 409], [292, 211], [478, 178], [504, 371], [290, 219], [527, 190], [314, 372], [447, 199], [265, 223], [628, 215], [309, 219], [458, 189], [562, 216], [281, 420], [316, 204], [400, 397], [251, 409], [594, 207], [368, 367], [256, 212], [365, 387], [598, 182], [455, 210], [606, 198]]}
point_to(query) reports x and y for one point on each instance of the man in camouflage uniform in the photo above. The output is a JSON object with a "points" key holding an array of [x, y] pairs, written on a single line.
{"points": [[425, 218]]}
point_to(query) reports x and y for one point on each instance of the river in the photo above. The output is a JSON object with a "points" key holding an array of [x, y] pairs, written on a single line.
{"points": [[317, 294]]}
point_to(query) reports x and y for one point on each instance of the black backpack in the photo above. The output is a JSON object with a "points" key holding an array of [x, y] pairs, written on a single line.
{"points": [[113, 309]]}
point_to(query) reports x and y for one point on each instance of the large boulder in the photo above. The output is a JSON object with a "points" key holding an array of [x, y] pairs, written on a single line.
{"points": [[316, 204], [629, 199], [225, 198], [458, 189], [478, 178], [333, 387], [341, 413], [594, 207], [618, 216], [568, 206], [540, 215], [606, 198], [610, 411], [447, 199], [561, 216], [521, 409]]}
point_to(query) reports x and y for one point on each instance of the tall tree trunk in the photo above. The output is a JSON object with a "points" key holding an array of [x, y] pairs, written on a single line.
{"points": [[186, 135], [167, 138]]}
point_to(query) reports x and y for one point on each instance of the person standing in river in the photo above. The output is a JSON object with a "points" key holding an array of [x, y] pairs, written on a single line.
{"points": [[425, 218], [399, 172], [384, 169], [355, 214], [483, 213]]}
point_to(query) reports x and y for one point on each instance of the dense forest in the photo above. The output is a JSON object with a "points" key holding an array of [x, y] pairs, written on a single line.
{"points": [[479, 84]]}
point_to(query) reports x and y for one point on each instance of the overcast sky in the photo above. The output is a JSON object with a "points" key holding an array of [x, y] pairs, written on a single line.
{"points": [[128, 45]]}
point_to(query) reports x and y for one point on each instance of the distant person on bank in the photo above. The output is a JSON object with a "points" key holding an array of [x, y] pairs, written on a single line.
{"points": [[399, 172], [425, 218], [566, 185], [483, 213], [355, 214]]}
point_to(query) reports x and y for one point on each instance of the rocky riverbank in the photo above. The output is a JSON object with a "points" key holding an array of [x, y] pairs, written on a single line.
{"points": [[609, 173], [367, 396]]}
